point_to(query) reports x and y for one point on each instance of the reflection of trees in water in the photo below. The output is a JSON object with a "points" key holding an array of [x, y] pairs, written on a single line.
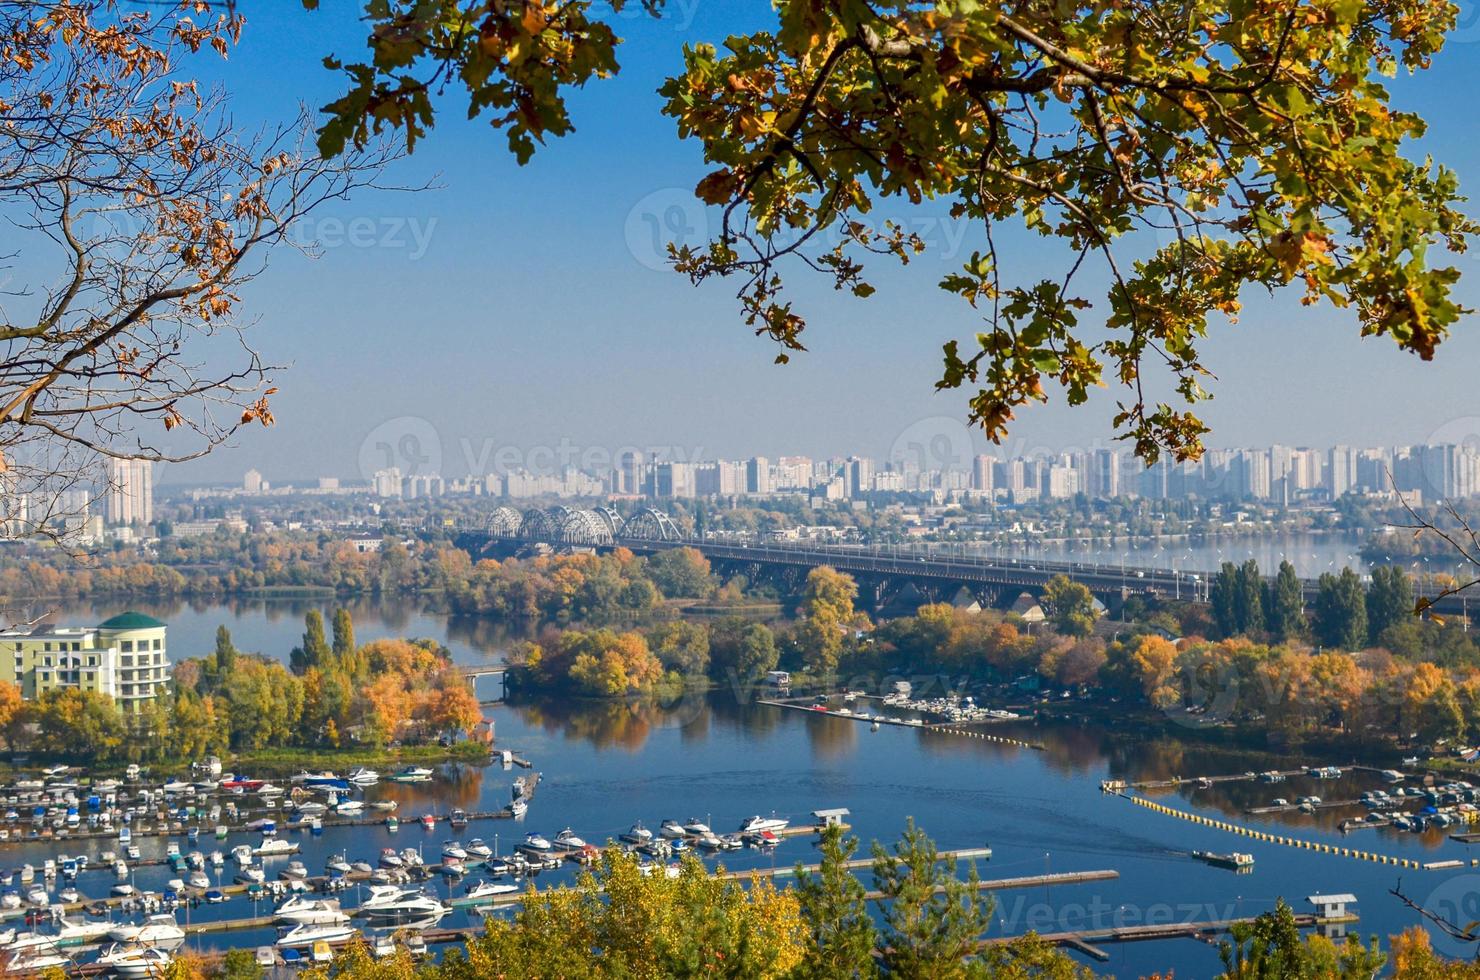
{"points": [[746, 716], [832, 737], [604, 724], [488, 636]]}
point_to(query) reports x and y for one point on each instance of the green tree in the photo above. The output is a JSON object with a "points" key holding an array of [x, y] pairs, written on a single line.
{"points": [[827, 613], [682, 646], [932, 920], [1389, 599], [78, 725], [681, 573], [1261, 147], [833, 906], [1223, 599], [1271, 948], [1069, 605], [1341, 611], [1248, 600], [239, 964], [225, 651], [1286, 604], [315, 651], [344, 637]]}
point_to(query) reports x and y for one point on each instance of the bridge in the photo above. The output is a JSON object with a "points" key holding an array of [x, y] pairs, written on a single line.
{"points": [[937, 570]]}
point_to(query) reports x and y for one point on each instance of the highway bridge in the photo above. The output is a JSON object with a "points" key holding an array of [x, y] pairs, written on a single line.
{"points": [[938, 571]]}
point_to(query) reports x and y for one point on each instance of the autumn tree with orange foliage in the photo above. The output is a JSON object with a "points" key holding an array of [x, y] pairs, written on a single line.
{"points": [[136, 211]]}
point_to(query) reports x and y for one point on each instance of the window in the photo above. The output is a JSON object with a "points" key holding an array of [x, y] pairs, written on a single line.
{"points": [[77, 645], [159, 644], [127, 646], [46, 646], [92, 661]]}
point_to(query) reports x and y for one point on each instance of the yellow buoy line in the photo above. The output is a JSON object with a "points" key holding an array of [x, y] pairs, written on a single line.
{"points": [[1269, 838], [999, 739]]}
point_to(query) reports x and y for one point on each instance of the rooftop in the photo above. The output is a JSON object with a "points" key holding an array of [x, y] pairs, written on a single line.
{"points": [[131, 621]]}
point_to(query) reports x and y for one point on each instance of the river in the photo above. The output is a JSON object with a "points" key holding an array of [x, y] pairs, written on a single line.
{"points": [[722, 758]]}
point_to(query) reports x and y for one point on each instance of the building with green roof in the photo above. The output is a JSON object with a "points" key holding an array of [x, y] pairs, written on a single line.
{"points": [[123, 657]]}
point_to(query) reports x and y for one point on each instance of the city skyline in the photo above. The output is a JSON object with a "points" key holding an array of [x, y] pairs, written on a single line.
{"points": [[1277, 473]]}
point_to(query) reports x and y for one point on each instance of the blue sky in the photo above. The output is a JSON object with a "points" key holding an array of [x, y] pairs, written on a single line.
{"points": [[521, 307]]}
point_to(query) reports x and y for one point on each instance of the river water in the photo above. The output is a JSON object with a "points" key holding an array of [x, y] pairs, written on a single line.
{"points": [[722, 757]]}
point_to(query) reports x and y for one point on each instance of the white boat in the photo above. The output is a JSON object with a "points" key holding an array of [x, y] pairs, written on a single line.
{"points": [[307, 933], [122, 890], [754, 825], [301, 909], [390, 859], [518, 808], [74, 930], [638, 834], [217, 859], [134, 961], [312, 808], [477, 850], [534, 842], [39, 897], [251, 875], [384, 948], [453, 849], [242, 853], [349, 807], [267, 789], [490, 890], [672, 830], [393, 901], [411, 857], [568, 841], [364, 777], [275, 847], [198, 879], [157, 930], [37, 961], [337, 863], [697, 827], [28, 941]]}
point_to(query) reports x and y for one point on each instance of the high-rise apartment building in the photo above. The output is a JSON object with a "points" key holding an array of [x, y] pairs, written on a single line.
{"points": [[131, 492]]}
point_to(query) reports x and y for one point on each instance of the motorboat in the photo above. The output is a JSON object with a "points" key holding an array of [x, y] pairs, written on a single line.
{"points": [[198, 879], [393, 901], [364, 777], [534, 842], [275, 847], [428, 821], [477, 850], [78, 931], [131, 960], [384, 948], [637, 834], [157, 930], [251, 875], [671, 830], [518, 808], [413, 774], [122, 890], [269, 790], [411, 857], [567, 840], [488, 890], [458, 817], [390, 859], [754, 825], [453, 849], [697, 827], [338, 864], [306, 934], [347, 808], [301, 909], [37, 961]]}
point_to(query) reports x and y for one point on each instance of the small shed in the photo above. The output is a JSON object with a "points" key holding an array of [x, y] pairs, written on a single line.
{"points": [[830, 818], [1332, 906]]}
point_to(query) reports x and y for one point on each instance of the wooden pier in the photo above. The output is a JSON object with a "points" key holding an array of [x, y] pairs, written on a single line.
{"points": [[1086, 940]]}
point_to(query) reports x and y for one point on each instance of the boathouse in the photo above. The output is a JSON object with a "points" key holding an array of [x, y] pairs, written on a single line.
{"points": [[830, 818], [1332, 906]]}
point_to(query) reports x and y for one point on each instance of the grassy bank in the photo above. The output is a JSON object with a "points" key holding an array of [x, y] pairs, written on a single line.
{"points": [[386, 760]]}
